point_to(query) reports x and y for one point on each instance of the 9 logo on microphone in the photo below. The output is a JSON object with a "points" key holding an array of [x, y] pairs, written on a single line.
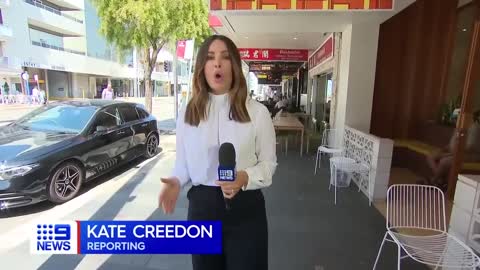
{"points": [[226, 175]]}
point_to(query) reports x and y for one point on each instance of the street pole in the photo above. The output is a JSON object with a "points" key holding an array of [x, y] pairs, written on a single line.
{"points": [[175, 81], [189, 90]]}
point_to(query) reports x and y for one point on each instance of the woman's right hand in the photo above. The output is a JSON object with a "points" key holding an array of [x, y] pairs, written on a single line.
{"points": [[168, 196]]}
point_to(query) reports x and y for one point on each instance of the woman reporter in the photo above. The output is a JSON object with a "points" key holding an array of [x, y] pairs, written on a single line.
{"points": [[221, 111]]}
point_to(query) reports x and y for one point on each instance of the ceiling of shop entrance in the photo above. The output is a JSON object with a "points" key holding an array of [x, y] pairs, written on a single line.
{"points": [[293, 29]]}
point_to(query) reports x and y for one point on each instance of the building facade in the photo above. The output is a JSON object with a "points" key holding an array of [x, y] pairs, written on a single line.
{"points": [[58, 44]]}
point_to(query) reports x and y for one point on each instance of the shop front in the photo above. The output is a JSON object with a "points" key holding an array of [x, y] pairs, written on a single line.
{"points": [[322, 67]]}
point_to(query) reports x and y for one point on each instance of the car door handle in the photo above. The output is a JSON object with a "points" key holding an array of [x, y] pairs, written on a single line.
{"points": [[144, 125], [121, 132]]}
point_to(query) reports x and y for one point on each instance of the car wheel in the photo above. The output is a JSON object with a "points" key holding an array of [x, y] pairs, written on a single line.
{"points": [[65, 182], [151, 147]]}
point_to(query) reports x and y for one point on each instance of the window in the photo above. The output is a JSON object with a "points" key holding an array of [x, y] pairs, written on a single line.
{"points": [[128, 113], [142, 113], [109, 118], [58, 118], [45, 38]]}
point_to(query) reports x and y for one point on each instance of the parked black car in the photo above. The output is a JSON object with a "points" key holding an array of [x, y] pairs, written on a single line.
{"points": [[49, 153]]}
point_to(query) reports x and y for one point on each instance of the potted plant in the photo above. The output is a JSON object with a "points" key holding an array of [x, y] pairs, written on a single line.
{"points": [[447, 113]]}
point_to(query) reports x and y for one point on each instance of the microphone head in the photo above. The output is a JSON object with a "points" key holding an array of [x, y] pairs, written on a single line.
{"points": [[226, 155]]}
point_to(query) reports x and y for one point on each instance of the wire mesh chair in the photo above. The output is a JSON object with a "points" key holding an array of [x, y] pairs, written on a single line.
{"points": [[421, 208], [344, 166], [331, 144], [347, 167], [365, 171]]}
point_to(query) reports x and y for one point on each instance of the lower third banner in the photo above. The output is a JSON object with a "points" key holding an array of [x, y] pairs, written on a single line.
{"points": [[129, 237]]}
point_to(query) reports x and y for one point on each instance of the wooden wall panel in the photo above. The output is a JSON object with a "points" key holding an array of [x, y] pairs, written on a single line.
{"points": [[413, 53]]}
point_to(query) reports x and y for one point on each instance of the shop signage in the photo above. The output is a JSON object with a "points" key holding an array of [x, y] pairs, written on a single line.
{"points": [[58, 67], [181, 48], [30, 64], [269, 78], [185, 49], [322, 54], [289, 67], [34, 65], [301, 4], [253, 54]]}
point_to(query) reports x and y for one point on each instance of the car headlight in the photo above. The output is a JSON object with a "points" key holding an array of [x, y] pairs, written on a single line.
{"points": [[7, 173]]}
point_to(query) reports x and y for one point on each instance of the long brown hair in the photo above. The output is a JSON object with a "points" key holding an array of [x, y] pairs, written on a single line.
{"points": [[197, 106]]}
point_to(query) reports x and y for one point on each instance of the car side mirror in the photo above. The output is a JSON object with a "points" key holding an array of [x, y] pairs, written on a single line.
{"points": [[101, 129]]}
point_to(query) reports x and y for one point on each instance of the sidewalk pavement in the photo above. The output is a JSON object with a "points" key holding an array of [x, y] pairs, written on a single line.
{"points": [[11, 112], [133, 195]]}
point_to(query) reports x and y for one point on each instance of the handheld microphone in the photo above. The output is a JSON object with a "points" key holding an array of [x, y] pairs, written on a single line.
{"points": [[226, 167]]}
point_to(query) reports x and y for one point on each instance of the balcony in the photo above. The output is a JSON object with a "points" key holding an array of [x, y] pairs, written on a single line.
{"points": [[4, 3], [67, 4], [52, 10], [5, 32], [53, 47]]}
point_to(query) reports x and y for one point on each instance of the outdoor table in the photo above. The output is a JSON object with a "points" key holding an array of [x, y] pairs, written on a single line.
{"points": [[290, 123]]}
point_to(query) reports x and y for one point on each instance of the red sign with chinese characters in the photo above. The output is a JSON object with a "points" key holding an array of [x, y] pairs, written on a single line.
{"points": [[250, 54], [322, 54]]}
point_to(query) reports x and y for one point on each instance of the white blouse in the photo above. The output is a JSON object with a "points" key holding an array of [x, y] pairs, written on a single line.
{"points": [[254, 142]]}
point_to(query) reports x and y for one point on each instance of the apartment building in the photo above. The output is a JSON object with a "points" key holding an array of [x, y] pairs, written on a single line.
{"points": [[58, 44]]}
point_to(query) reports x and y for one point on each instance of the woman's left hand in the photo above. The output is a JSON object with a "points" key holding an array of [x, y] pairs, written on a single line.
{"points": [[231, 188]]}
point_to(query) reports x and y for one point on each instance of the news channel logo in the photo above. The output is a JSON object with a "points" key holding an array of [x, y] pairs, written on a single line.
{"points": [[54, 238], [226, 175]]}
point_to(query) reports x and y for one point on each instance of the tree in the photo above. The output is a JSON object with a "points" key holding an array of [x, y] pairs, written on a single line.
{"points": [[148, 25]]}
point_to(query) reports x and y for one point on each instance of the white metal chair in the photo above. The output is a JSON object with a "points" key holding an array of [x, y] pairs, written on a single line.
{"points": [[365, 172], [331, 144], [343, 165], [422, 208], [348, 166]]}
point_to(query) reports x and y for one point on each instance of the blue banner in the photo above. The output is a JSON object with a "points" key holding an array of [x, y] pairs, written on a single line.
{"points": [[149, 237]]}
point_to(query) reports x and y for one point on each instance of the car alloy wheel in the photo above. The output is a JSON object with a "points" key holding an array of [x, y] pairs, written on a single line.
{"points": [[65, 182], [152, 146]]}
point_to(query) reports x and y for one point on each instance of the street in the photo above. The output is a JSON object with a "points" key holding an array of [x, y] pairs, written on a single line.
{"points": [[129, 193], [162, 109]]}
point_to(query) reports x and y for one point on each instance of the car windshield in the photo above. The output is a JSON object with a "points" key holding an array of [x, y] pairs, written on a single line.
{"points": [[58, 118]]}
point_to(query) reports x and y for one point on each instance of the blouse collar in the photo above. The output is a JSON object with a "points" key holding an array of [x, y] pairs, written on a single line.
{"points": [[218, 99]]}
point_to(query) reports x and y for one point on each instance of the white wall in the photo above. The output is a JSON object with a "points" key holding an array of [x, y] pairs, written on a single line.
{"points": [[363, 60], [75, 43], [92, 90], [56, 80], [80, 84], [357, 76], [343, 72]]}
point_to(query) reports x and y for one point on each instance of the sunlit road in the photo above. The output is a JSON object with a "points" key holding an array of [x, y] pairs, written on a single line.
{"points": [[129, 193]]}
